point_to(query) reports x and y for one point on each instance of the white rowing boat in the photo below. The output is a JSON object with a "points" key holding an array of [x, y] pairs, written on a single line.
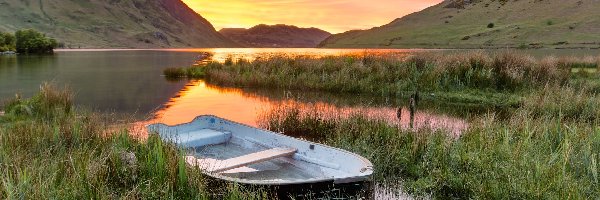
{"points": [[239, 153]]}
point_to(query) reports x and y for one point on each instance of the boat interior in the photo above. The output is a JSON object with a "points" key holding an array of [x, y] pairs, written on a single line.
{"points": [[242, 159], [240, 153]]}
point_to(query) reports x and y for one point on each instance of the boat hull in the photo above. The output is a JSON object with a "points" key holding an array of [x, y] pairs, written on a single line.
{"points": [[312, 163], [320, 190]]}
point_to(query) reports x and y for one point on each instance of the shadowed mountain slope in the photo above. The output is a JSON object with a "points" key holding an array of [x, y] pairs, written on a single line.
{"points": [[276, 36], [113, 23]]}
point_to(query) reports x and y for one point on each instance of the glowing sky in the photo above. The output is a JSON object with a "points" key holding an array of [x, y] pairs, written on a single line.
{"points": [[331, 15]]}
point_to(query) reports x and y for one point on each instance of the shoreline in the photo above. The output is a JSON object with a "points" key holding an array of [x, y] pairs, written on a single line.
{"points": [[331, 48]]}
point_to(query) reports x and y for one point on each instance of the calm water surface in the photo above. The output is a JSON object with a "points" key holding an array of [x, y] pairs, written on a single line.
{"points": [[115, 81], [131, 82]]}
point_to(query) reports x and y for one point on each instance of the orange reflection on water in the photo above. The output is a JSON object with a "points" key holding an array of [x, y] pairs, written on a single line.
{"points": [[198, 98]]}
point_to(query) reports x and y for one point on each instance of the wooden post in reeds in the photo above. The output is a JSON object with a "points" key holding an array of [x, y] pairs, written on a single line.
{"points": [[413, 108], [417, 98], [414, 102], [399, 115]]}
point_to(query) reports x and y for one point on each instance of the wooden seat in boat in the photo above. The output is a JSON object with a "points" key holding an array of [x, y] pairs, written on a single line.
{"points": [[202, 137], [218, 166]]}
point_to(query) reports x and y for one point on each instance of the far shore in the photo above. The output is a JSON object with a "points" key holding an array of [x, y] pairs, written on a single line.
{"points": [[345, 48]]}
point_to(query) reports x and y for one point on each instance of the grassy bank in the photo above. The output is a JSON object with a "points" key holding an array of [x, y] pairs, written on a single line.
{"points": [[473, 77], [51, 150], [547, 149]]}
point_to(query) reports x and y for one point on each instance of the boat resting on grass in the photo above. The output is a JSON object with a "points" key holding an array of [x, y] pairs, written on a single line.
{"points": [[239, 153]]}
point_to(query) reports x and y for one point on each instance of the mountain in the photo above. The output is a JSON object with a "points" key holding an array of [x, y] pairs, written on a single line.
{"points": [[113, 23], [485, 24], [276, 36]]}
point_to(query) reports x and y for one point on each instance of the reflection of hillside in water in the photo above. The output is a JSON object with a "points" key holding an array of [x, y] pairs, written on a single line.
{"points": [[121, 82], [247, 105]]}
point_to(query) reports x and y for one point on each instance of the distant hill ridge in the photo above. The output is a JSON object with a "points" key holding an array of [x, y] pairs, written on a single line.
{"points": [[485, 24], [113, 23], [276, 36]]}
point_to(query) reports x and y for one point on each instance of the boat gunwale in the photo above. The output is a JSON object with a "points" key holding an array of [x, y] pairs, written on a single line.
{"points": [[349, 179]]}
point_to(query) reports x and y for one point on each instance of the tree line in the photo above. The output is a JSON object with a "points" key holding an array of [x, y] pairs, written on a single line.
{"points": [[27, 41]]}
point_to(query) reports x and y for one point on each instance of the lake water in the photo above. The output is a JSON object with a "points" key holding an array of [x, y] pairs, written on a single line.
{"points": [[131, 82]]}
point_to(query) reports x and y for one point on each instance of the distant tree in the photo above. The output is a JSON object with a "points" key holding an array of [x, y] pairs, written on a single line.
{"points": [[491, 25], [7, 42], [31, 41]]}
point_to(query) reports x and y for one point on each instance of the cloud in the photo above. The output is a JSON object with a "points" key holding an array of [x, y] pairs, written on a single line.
{"points": [[331, 15]]}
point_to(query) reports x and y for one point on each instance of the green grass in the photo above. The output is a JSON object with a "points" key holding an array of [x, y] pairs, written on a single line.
{"points": [[50, 150], [546, 149], [473, 77]]}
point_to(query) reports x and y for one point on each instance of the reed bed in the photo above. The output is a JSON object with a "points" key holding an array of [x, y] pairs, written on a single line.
{"points": [[50, 150], [506, 72], [530, 155]]}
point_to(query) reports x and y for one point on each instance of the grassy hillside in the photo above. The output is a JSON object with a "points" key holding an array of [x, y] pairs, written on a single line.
{"points": [[112, 23], [464, 24], [276, 36]]}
